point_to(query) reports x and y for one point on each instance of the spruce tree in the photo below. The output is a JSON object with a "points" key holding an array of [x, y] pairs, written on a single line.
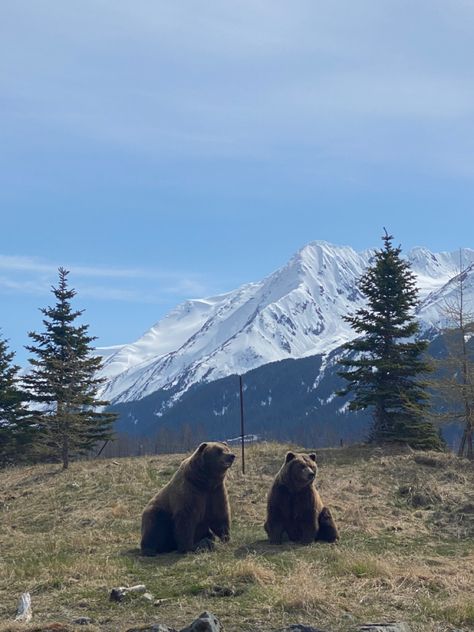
{"points": [[64, 381], [16, 427], [385, 362]]}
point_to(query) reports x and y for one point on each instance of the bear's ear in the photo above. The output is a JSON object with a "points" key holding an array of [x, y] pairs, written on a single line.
{"points": [[202, 447], [312, 456], [289, 456]]}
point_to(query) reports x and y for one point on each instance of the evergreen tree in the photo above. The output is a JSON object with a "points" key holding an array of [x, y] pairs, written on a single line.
{"points": [[63, 381], [16, 429], [385, 362]]}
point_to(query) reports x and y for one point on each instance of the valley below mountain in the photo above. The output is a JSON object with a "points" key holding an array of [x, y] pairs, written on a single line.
{"points": [[284, 334]]}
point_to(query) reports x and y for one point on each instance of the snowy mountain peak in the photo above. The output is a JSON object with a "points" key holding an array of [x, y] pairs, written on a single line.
{"points": [[320, 254], [294, 312], [424, 259], [436, 269]]}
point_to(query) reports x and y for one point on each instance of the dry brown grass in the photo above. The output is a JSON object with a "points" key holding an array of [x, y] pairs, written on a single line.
{"points": [[406, 549], [252, 570]]}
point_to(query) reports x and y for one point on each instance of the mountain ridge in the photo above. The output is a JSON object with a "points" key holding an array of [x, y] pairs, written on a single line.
{"points": [[294, 312]]}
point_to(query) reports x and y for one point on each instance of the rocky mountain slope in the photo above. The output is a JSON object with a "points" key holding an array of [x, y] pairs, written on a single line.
{"points": [[295, 312]]}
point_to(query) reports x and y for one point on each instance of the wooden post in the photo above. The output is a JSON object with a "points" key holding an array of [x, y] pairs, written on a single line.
{"points": [[242, 424]]}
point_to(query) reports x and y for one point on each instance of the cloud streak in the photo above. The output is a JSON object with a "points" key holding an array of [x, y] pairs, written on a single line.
{"points": [[34, 276]]}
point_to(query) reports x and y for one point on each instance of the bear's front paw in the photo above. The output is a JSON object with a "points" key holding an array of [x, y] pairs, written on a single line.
{"points": [[327, 527], [325, 514]]}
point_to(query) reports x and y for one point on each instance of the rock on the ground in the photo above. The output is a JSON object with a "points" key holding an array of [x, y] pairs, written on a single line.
{"points": [[207, 622], [148, 597], [82, 621]]}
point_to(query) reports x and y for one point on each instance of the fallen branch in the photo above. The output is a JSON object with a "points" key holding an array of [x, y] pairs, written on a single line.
{"points": [[118, 594]]}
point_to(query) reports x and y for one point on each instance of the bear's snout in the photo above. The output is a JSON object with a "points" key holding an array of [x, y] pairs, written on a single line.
{"points": [[311, 475]]}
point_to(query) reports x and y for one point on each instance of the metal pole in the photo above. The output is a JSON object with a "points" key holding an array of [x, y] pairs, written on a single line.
{"points": [[100, 451], [242, 424]]}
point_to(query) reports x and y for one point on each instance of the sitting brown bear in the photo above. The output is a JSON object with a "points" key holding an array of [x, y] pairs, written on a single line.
{"points": [[295, 506], [192, 506]]}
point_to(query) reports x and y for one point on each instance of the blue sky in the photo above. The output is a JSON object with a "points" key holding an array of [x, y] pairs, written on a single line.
{"points": [[168, 150]]}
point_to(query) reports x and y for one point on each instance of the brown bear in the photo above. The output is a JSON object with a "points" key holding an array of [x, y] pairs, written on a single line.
{"points": [[192, 506], [295, 506]]}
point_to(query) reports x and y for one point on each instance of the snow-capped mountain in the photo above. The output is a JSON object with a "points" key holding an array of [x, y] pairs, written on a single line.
{"points": [[295, 312]]}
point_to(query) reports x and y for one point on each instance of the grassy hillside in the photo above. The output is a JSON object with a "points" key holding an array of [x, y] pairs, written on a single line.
{"points": [[406, 549]]}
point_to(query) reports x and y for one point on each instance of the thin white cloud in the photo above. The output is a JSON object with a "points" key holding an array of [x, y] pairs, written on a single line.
{"points": [[25, 264], [35, 287], [33, 264], [105, 293], [34, 276]]}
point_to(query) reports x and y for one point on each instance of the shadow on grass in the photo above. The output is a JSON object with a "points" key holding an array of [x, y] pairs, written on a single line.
{"points": [[161, 560], [259, 547]]}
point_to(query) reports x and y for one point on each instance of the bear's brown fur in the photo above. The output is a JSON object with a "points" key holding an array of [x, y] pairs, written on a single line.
{"points": [[192, 506], [295, 506]]}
